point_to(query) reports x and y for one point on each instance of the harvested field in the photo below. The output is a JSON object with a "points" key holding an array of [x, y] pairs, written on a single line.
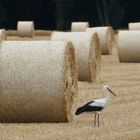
{"points": [[121, 119]]}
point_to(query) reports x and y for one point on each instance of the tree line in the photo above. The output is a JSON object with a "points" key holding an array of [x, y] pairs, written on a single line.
{"points": [[45, 13]]}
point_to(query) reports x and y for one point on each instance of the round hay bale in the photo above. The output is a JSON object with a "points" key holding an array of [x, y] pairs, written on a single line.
{"points": [[38, 81], [17, 38], [134, 26], [115, 46], [35, 38], [11, 33], [129, 46], [25, 28], [88, 54], [106, 38], [79, 26], [2, 34], [42, 38], [42, 33]]}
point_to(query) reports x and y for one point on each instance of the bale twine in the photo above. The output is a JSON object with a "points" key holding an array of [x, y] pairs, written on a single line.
{"points": [[25, 28], [129, 46], [88, 54], [134, 26], [79, 26], [38, 81], [106, 38], [2, 35]]}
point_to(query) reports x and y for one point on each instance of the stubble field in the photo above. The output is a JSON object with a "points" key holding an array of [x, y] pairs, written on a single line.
{"points": [[119, 121]]}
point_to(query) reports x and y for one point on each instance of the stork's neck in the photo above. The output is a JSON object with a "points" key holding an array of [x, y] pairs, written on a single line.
{"points": [[106, 95]]}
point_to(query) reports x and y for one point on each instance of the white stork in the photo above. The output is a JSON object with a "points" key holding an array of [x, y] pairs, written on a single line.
{"points": [[96, 106]]}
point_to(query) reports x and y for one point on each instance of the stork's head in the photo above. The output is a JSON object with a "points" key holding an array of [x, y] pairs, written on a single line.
{"points": [[106, 88]]}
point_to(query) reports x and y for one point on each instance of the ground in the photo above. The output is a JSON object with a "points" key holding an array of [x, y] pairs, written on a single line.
{"points": [[119, 121]]}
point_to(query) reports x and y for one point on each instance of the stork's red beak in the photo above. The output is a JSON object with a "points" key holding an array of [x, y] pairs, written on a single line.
{"points": [[112, 92]]}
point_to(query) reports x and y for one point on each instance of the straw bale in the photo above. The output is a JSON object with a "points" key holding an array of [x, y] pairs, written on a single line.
{"points": [[38, 81], [115, 46], [38, 35], [88, 54], [134, 26], [42, 38], [2, 34], [129, 46], [79, 26], [43, 33], [25, 28], [106, 38], [17, 38], [11, 33]]}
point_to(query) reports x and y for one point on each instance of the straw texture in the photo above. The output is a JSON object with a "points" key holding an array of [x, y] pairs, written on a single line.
{"points": [[134, 26], [2, 34], [106, 38], [42, 33], [129, 46], [79, 26], [87, 51], [38, 35], [11, 33], [17, 38], [38, 81], [25, 28]]}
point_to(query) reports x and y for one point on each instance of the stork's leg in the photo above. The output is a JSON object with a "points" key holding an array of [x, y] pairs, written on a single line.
{"points": [[95, 120], [98, 120], [102, 119]]}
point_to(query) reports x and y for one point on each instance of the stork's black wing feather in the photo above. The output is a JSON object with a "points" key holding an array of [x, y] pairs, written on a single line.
{"points": [[88, 108], [82, 108]]}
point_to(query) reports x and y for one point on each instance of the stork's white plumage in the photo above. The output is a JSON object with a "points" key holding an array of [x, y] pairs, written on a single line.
{"points": [[96, 106]]}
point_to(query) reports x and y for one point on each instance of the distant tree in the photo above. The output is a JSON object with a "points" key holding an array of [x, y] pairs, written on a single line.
{"points": [[99, 11], [116, 13], [3, 17], [110, 12]]}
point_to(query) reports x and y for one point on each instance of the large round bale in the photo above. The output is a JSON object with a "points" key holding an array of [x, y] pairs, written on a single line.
{"points": [[87, 50], [79, 26], [2, 34], [38, 81], [106, 38], [35, 38], [129, 46], [134, 26], [43, 33], [25, 28], [11, 33]]}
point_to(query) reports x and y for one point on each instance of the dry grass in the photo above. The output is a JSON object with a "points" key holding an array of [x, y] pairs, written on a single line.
{"points": [[121, 119]]}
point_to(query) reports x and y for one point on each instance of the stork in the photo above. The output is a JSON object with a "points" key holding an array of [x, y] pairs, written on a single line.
{"points": [[96, 106]]}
